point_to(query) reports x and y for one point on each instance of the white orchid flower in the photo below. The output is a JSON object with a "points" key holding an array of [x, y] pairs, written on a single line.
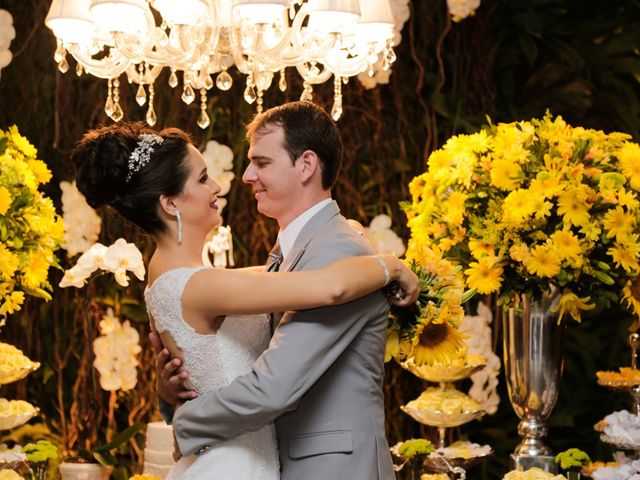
{"points": [[74, 277], [122, 257], [92, 259], [219, 161]]}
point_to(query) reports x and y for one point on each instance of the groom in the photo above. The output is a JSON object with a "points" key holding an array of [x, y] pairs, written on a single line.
{"points": [[321, 377]]}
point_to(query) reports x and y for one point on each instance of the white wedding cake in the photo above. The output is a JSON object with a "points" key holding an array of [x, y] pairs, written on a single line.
{"points": [[158, 450]]}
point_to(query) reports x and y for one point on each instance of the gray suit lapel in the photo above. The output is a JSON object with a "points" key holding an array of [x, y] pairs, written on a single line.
{"points": [[306, 235]]}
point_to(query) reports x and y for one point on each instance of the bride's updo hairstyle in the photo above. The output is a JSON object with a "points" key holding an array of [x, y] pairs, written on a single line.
{"points": [[101, 160]]}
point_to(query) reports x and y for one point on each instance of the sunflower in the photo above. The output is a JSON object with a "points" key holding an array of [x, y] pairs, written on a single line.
{"points": [[437, 344]]}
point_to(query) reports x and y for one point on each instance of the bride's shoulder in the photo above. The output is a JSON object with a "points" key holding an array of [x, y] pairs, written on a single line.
{"points": [[172, 275]]}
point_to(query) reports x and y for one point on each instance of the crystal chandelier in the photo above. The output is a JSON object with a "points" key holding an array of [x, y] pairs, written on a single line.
{"points": [[199, 40]]}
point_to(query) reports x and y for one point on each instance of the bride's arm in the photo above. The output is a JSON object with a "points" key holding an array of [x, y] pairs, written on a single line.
{"points": [[213, 292]]}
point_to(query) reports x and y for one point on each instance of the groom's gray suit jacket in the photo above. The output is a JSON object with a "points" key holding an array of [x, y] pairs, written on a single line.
{"points": [[320, 379]]}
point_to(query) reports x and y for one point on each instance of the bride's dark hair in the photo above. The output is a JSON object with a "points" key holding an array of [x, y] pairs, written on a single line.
{"points": [[101, 161]]}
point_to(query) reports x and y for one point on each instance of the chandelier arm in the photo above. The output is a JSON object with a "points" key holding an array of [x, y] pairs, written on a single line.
{"points": [[346, 67], [111, 66], [313, 79]]}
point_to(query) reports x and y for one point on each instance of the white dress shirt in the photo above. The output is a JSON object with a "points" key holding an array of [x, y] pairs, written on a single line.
{"points": [[287, 237]]}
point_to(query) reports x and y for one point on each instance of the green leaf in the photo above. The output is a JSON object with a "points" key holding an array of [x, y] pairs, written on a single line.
{"points": [[121, 438]]}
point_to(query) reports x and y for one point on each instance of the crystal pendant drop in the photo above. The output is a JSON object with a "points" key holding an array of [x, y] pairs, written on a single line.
{"points": [[60, 52], [108, 106], [282, 84], [173, 79], [224, 81], [307, 93], [151, 115], [141, 96], [250, 94], [336, 110], [188, 95], [78, 69], [117, 113], [390, 55], [63, 66], [203, 119], [208, 83]]}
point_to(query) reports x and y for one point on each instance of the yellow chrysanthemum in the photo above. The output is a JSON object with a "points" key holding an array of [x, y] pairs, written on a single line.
{"points": [[8, 262], [573, 305], [12, 303], [437, 344], [519, 253], [543, 262], [505, 174], [35, 273], [618, 223], [629, 157], [21, 142], [485, 275], [546, 184], [566, 244], [480, 249], [626, 255], [5, 200], [454, 210], [631, 295], [40, 170], [572, 205], [628, 200], [518, 206]]}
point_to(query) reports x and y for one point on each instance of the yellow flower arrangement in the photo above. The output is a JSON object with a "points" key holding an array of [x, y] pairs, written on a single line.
{"points": [[530, 206], [144, 476], [30, 229], [428, 333], [534, 473]]}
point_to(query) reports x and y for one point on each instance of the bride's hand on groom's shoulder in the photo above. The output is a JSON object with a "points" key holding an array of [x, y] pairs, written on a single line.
{"points": [[170, 379]]}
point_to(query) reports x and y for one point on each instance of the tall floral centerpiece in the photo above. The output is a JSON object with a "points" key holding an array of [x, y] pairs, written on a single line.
{"points": [[30, 229], [546, 216]]}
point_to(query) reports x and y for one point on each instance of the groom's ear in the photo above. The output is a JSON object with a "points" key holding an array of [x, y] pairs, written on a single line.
{"points": [[167, 205], [309, 165]]}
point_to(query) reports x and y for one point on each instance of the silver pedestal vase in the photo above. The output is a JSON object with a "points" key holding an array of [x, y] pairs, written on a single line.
{"points": [[533, 347]]}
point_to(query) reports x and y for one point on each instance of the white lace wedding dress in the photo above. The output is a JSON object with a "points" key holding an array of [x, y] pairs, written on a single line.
{"points": [[213, 361]]}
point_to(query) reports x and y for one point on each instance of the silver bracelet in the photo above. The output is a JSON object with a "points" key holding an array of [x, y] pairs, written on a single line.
{"points": [[387, 275]]}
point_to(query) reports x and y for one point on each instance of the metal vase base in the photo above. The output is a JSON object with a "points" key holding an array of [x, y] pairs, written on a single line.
{"points": [[525, 462]]}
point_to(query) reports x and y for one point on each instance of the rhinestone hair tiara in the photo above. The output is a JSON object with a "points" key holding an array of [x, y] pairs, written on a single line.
{"points": [[142, 154]]}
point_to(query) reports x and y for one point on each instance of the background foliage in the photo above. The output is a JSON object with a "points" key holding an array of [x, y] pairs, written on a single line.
{"points": [[513, 60]]}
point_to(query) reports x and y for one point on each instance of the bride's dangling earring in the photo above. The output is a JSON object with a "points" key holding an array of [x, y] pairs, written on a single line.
{"points": [[179, 226]]}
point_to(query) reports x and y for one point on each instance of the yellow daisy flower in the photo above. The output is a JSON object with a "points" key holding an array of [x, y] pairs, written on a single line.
{"points": [[480, 249], [455, 208], [631, 294], [8, 262], [573, 206], [628, 200], [35, 273], [21, 142], [573, 305], [505, 174], [618, 223], [40, 170], [437, 344], [566, 244], [519, 253], [518, 207], [629, 157], [626, 255], [5, 200], [12, 303], [543, 262], [485, 275], [546, 184]]}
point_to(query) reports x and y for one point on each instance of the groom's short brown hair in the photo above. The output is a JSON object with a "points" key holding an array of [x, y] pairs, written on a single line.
{"points": [[306, 126]]}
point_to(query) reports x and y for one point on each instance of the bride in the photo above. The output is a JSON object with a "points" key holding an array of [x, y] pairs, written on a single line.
{"points": [[211, 319]]}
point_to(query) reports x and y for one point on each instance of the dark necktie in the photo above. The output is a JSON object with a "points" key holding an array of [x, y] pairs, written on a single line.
{"points": [[273, 265], [275, 258]]}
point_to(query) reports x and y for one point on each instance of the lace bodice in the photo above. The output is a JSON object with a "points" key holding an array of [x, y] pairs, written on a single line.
{"points": [[211, 360]]}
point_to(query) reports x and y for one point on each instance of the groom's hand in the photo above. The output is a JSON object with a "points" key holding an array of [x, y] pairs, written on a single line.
{"points": [[171, 381]]}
